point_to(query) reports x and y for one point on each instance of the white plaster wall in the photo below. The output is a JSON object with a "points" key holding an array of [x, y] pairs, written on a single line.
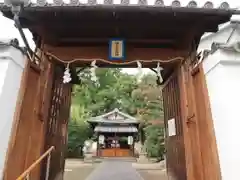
{"points": [[222, 71], [221, 36], [12, 63]]}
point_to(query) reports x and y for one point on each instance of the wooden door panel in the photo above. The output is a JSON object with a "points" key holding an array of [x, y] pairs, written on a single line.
{"points": [[108, 152], [115, 152], [26, 139], [200, 150], [122, 152], [58, 116], [207, 140], [176, 165]]}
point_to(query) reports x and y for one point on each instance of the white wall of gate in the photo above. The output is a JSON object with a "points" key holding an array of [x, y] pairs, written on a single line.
{"points": [[12, 63], [222, 72]]}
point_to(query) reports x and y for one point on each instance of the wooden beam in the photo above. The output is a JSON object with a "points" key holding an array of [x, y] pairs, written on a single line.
{"points": [[148, 54], [108, 23], [105, 40]]}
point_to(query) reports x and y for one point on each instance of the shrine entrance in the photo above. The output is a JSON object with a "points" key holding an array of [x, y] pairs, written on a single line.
{"points": [[84, 35], [116, 132]]}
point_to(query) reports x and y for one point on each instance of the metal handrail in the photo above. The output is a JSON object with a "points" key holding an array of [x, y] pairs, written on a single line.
{"points": [[26, 174]]}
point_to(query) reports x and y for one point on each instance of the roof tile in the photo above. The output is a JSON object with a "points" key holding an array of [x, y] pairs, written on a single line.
{"points": [[174, 3], [125, 2], [92, 2], [192, 4]]}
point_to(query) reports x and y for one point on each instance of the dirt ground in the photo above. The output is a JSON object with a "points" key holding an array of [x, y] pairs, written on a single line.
{"points": [[78, 170]]}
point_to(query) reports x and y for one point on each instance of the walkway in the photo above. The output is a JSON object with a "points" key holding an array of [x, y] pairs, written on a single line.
{"points": [[114, 170]]}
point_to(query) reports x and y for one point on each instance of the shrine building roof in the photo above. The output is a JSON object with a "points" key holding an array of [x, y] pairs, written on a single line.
{"points": [[114, 117]]}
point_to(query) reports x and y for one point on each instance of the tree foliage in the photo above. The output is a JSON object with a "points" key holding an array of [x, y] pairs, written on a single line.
{"points": [[115, 90], [154, 143], [78, 130]]}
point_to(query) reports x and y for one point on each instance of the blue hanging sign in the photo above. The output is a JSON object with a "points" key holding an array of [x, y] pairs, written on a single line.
{"points": [[116, 49]]}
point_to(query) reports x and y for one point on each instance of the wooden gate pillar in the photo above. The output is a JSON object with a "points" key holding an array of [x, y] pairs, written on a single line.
{"points": [[57, 121], [199, 138], [192, 151], [27, 139]]}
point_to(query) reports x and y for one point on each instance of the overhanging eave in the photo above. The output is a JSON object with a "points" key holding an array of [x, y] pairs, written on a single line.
{"points": [[163, 26]]}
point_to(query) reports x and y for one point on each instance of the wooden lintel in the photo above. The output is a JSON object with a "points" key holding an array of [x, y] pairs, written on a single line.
{"points": [[91, 53], [68, 53], [109, 22], [96, 40]]}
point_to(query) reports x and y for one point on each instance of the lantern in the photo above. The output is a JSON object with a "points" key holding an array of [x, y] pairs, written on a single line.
{"points": [[101, 139]]}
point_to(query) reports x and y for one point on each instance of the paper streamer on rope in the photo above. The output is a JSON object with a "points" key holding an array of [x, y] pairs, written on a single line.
{"points": [[159, 69], [93, 71], [67, 76], [140, 71]]}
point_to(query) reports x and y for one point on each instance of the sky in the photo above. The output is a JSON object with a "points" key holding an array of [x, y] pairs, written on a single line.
{"points": [[8, 31]]}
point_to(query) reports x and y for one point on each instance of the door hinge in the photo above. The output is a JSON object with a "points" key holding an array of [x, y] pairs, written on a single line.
{"points": [[190, 118]]}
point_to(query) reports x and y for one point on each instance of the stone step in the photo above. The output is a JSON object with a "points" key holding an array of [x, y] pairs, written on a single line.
{"points": [[126, 159]]}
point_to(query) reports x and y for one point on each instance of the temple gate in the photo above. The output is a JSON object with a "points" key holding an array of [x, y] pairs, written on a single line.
{"points": [[89, 35]]}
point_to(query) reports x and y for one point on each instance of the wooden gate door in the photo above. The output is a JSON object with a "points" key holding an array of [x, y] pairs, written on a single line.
{"points": [[56, 133], [27, 136], [191, 151], [204, 126], [176, 165]]}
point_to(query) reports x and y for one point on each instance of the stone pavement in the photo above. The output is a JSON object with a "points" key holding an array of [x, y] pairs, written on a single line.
{"points": [[77, 170], [114, 170]]}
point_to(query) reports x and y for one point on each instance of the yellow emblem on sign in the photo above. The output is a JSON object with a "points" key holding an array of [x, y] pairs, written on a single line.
{"points": [[116, 49]]}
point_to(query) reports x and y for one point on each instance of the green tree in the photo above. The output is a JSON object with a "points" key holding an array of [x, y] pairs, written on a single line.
{"points": [[115, 90], [154, 143], [78, 131], [148, 98]]}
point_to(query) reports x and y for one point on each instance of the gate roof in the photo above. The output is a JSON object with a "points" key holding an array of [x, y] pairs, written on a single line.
{"points": [[142, 24]]}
